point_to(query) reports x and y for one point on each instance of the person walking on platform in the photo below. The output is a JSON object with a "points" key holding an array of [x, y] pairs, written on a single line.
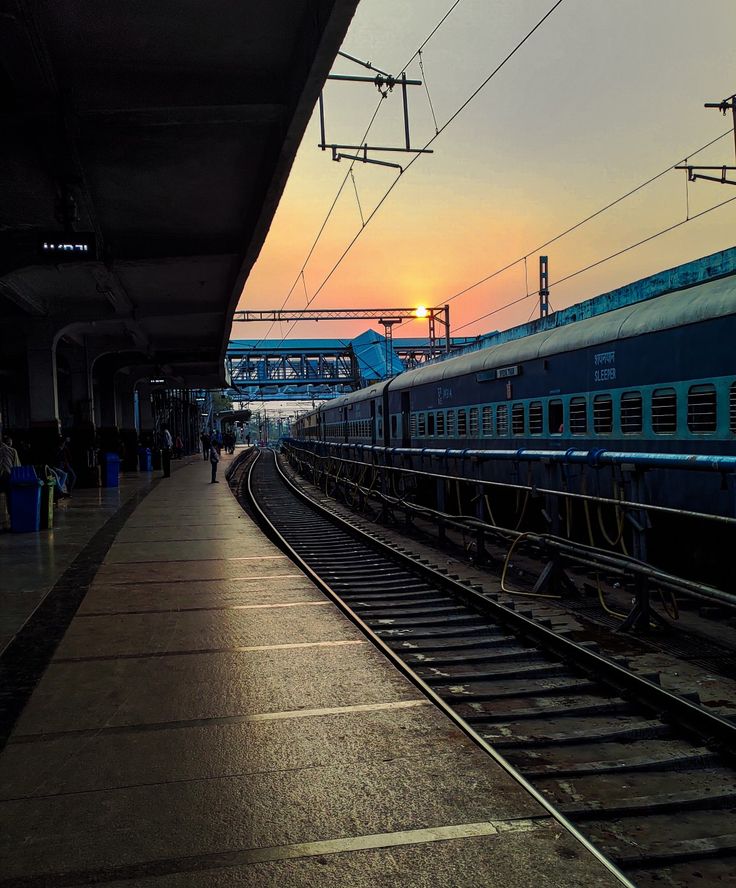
{"points": [[214, 459], [205, 439], [168, 443]]}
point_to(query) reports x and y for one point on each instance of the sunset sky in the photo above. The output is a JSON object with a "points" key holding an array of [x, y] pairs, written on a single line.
{"points": [[606, 94]]}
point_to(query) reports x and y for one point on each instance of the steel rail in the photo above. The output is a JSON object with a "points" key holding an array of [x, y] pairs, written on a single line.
{"points": [[577, 552], [602, 500], [689, 715], [409, 673]]}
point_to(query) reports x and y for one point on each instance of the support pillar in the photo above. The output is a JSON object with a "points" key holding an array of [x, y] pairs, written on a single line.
{"points": [[43, 401], [125, 389], [82, 433], [145, 414]]}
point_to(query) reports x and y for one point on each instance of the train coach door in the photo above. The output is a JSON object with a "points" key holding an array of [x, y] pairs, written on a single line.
{"points": [[405, 419]]}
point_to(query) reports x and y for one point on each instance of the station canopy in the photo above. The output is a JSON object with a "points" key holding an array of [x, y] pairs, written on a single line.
{"points": [[145, 148]]}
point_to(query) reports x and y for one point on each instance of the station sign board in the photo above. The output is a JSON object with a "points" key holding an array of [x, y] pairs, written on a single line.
{"points": [[58, 246]]}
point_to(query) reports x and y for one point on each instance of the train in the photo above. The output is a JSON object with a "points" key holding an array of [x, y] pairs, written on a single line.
{"points": [[654, 376], [659, 374]]}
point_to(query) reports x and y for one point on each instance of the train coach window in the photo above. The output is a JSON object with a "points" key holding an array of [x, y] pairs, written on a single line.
{"points": [[473, 422], [450, 423], [430, 423], [502, 420], [631, 413], [462, 424], [517, 419], [536, 419], [555, 417], [422, 425], [413, 425], [603, 414], [701, 409], [732, 408], [487, 422], [578, 416], [440, 423], [664, 411]]}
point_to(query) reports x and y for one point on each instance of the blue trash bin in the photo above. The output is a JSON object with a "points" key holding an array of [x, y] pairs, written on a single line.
{"points": [[144, 459], [111, 470], [25, 500]]}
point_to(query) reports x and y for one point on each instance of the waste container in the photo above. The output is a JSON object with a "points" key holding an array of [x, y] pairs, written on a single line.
{"points": [[110, 470], [47, 500], [25, 499], [144, 459]]}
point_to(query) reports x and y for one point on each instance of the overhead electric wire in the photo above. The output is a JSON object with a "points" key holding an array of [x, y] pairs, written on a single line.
{"points": [[444, 126], [350, 169], [573, 274], [582, 222]]}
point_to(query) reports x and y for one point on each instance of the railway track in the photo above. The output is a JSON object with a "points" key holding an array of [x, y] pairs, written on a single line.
{"points": [[646, 776]]}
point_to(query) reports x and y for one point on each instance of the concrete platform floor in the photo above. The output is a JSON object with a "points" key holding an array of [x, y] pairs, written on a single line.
{"points": [[210, 719], [31, 563]]}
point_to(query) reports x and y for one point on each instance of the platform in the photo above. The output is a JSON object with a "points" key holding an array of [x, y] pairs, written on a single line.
{"points": [[210, 719]]}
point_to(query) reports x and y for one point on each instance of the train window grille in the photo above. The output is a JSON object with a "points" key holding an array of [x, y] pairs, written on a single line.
{"points": [[450, 423], [732, 408], [487, 422], [578, 416], [473, 422], [631, 413], [502, 420], [555, 417], [701, 409], [664, 411], [462, 424], [422, 431], [413, 425], [380, 428], [440, 424], [536, 418], [517, 419], [603, 414], [430, 424]]}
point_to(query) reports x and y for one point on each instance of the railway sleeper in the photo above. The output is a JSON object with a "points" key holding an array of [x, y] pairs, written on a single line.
{"points": [[642, 792], [557, 708], [536, 734], [589, 759]]}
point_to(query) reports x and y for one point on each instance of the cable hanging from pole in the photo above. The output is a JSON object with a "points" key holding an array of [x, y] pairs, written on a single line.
{"points": [[365, 134], [442, 128]]}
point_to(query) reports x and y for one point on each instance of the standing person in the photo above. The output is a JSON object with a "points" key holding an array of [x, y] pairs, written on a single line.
{"points": [[178, 448], [9, 460], [168, 443], [247, 439], [63, 461], [205, 439], [214, 459]]}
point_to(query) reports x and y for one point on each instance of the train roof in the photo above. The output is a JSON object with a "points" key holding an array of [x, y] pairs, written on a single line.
{"points": [[688, 306], [370, 391]]}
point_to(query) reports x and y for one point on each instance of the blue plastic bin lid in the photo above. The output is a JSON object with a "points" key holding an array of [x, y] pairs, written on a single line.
{"points": [[24, 475], [112, 457]]}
